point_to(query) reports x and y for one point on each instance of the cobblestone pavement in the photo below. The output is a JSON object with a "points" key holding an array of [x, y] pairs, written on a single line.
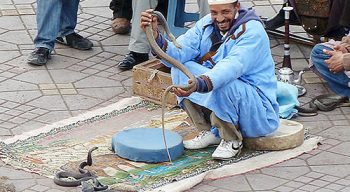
{"points": [[74, 82]]}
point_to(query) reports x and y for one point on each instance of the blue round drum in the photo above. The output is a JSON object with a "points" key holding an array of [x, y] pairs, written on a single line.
{"points": [[147, 145]]}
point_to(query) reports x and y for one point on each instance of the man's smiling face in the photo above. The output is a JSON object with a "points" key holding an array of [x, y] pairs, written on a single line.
{"points": [[223, 15]]}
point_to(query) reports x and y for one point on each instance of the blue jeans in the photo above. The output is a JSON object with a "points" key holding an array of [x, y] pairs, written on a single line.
{"points": [[55, 18], [338, 82]]}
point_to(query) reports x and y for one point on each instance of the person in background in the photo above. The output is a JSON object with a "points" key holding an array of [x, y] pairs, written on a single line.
{"points": [[138, 45], [331, 60], [122, 14], [334, 29], [56, 21]]}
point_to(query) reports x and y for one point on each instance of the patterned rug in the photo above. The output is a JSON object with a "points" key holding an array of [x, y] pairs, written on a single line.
{"points": [[64, 145]]}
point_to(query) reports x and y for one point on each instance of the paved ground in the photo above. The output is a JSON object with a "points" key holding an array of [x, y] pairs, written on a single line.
{"points": [[78, 81]]}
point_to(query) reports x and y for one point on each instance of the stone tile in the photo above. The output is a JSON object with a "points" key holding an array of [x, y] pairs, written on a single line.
{"points": [[337, 132], [61, 62], [204, 188], [39, 111], [28, 115], [11, 23], [14, 85], [304, 179], [7, 46], [284, 189], [17, 37], [27, 126], [334, 186], [18, 120], [90, 71], [309, 188], [50, 92], [80, 102], [96, 59], [65, 86], [40, 188], [102, 93], [94, 81], [13, 173], [53, 116], [286, 172], [8, 74], [329, 178], [49, 102], [326, 158], [334, 170], [8, 125], [239, 183], [68, 91], [325, 190], [100, 67], [104, 74], [14, 112], [343, 149], [5, 117], [344, 182], [66, 76], [319, 183], [341, 122], [8, 55], [4, 131], [79, 54], [345, 189], [314, 175], [46, 86], [264, 182], [35, 76], [10, 105], [23, 184], [2, 109]]}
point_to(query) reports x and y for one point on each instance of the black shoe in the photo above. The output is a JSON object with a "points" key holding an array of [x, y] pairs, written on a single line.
{"points": [[132, 59], [278, 20], [75, 41], [39, 56]]}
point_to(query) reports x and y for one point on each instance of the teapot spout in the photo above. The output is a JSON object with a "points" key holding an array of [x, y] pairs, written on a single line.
{"points": [[300, 76]]}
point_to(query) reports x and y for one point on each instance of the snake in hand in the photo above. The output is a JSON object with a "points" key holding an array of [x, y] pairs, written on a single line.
{"points": [[174, 62]]}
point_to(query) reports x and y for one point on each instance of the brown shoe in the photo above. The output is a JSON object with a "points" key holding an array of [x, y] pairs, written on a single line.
{"points": [[121, 25]]}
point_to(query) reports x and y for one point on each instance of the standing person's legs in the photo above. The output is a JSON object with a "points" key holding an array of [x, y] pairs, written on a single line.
{"points": [[138, 41], [138, 44], [48, 20], [48, 23], [338, 82], [69, 17], [122, 14], [203, 8]]}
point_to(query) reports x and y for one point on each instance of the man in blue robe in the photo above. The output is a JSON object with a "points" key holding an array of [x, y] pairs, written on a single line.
{"points": [[229, 53]]}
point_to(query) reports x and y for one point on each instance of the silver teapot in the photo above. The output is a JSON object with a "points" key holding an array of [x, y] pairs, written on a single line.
{"points": [[286, 75]]}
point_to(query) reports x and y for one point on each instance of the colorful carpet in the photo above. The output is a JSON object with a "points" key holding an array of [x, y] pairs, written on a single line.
{"points": [[64, 145]]}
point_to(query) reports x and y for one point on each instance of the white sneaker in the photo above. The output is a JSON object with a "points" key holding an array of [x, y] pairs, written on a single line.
{"points": [[227, 149], [202, 140]]}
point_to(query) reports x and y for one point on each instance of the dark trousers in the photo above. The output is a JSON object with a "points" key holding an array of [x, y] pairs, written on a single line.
{"points": [[123, 8], [345, 19]]}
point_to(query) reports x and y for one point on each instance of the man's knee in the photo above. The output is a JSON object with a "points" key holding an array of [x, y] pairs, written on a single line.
{"points": [[317, 50]]}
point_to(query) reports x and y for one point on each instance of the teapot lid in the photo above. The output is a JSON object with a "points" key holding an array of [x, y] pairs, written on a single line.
{"points": [[285, 70]]}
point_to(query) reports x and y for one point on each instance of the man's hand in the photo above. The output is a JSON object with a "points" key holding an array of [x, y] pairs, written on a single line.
{"points": [[184, 93], [335, 63], [340, 48], [147, 18]]}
